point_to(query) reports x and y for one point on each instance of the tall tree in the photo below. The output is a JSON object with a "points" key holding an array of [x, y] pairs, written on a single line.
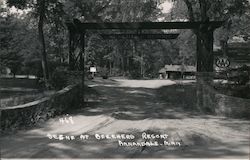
{"points": [[207, 10], [17, 43], [40, 10]]}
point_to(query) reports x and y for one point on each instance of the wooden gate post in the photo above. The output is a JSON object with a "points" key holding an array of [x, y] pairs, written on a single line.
{"points": [[205, 66], [71, 49], [82, 64]]}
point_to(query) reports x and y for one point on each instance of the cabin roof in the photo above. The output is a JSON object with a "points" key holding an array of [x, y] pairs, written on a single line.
{"points": [[177, 68]]}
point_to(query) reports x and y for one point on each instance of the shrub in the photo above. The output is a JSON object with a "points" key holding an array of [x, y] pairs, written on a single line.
{"points": [[135, 74], [59, 78], [104, 73]]}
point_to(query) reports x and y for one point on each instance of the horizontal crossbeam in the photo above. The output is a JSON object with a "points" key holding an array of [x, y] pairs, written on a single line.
{"points": [[140, 36], [76, 24]]}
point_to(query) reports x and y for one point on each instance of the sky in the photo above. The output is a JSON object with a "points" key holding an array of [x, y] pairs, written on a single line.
{"points": [[166, 6]]}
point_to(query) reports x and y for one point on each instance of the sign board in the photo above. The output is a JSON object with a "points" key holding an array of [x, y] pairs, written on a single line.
{"points": [[141, 36], [93, 69], [222, 62]]}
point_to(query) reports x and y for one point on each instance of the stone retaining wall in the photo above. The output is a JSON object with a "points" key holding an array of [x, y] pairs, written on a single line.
{"points": [[223, 105], [26, 115], [232, 106], [18, 82]]}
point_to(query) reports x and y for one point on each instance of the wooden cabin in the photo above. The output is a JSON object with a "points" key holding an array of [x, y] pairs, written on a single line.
{"points": [[178, 72]]}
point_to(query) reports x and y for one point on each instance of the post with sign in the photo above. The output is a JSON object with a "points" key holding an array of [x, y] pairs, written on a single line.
{"points": [[92, 71], [222, 62]]}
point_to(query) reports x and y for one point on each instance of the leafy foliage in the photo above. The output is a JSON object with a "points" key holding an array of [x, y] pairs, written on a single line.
{"points": [[17, 43], [21, 50], [59, 78], [234, 13]]}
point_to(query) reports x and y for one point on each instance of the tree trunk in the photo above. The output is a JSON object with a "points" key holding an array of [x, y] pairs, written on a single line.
{"points": [[205, 58], [205, 61], [127, 63], [122, 65], [71, 61], [110, 68], [42, 41], [142, 75], [82, 65], [204, 50]]}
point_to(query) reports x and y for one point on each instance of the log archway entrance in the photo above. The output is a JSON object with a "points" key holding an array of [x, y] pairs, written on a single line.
{"points": [[203, 30]]}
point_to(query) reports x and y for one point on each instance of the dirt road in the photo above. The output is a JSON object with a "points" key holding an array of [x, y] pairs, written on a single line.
{"points": [[133, 107]]}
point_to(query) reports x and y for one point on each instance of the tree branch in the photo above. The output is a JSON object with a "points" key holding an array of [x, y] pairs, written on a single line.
{"points": [[203, 10], [190, 10]]}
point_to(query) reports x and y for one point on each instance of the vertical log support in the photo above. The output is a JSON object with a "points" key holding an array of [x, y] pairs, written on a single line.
{"points": [[205, 58], [82, 59], [205, 63], [71, 49]]}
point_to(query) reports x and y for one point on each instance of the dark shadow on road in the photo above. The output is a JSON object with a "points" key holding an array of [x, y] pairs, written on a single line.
{"points": [[169, 102]]}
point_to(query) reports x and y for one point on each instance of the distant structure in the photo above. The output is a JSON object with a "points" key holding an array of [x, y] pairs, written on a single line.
{"points": [[178, 71]]}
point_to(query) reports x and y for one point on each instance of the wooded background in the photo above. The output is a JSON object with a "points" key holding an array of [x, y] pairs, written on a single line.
{"points": [[34, 39]]}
